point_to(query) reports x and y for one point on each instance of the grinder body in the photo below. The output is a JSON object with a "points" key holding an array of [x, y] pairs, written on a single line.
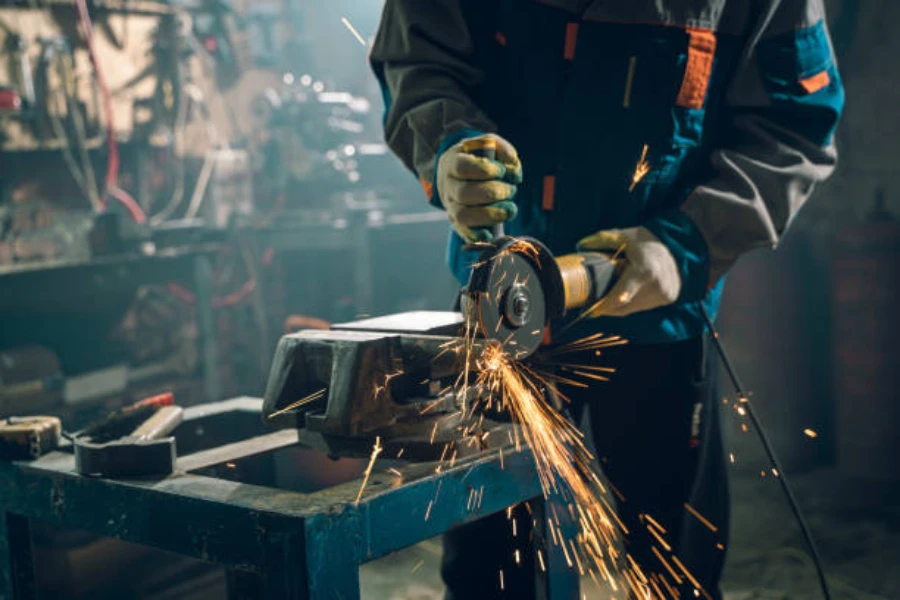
{"points": [[517, 287], [587, 277]]}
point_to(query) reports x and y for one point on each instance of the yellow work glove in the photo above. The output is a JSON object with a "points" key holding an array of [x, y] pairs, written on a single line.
{"points": [[650, 276], [477, 192]]}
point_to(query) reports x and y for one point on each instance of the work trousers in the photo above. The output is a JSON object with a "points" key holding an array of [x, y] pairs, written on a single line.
{"points": [[655, 426]]}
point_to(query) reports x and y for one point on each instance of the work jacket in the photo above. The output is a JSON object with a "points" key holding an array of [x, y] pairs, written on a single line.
{"points": [[732, 104]]}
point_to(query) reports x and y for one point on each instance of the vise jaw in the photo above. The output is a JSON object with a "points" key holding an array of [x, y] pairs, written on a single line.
{"points": [[388, 376]]}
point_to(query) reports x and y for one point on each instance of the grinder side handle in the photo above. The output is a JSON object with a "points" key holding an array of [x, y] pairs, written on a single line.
{"points": [[485, 147]]}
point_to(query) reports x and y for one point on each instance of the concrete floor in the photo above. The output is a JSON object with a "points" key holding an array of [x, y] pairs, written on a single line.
{"points": [[856, 524]]}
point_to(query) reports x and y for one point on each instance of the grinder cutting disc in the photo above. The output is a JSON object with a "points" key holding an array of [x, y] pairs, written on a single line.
{"points": [[508, 294]]}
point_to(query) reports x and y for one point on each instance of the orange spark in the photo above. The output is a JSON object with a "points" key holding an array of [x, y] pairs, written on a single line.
{"points": [[701, 518], [301, 402], [655, 523], [691, 578], [641, 169], [491, 377], [376, 450], [659, 539], [666, 564], [353, 30]]}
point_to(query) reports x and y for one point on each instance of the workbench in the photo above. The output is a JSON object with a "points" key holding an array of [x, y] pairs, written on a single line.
{"points": [[272, 543], [73, 289]]}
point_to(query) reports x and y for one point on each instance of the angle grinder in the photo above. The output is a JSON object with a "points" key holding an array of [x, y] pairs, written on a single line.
{"points": [[517, 286]]}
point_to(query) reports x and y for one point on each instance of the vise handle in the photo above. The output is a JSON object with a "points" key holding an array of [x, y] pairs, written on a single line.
{"points": [[163, 422]]}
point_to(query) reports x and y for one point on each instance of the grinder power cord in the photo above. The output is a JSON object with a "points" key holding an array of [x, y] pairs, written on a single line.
{"points": [[744, 398]]}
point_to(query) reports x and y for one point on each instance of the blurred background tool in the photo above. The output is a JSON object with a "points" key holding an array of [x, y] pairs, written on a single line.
{"points": [[23, 438], [109, 450], [126, 417]]}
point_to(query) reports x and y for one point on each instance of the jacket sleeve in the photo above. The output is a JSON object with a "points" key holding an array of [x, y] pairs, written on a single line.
{"points": [[423, 57], [784, 104]]}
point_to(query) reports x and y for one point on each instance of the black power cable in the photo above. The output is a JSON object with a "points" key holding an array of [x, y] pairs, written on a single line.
{"points": [[744, 400]]}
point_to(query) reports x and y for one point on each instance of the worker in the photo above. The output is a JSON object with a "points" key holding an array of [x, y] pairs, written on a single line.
{"points": [[680, 134]]}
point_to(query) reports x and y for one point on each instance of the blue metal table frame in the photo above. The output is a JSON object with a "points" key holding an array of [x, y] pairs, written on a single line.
{"points": [[277, 543]]}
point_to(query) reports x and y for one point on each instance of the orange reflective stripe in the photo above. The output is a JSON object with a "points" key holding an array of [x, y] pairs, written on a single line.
{"points": [[816, 82], [701, 50], [549, 192], [571, 40], [548, 336], [501, 39], [428, 187]]}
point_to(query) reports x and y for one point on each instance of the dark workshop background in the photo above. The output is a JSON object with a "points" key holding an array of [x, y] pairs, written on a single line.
{"points": [[249, 133]]}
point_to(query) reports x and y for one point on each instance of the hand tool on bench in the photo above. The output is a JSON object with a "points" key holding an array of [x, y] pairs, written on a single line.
{"points": [[27, 438], [116, 448]]}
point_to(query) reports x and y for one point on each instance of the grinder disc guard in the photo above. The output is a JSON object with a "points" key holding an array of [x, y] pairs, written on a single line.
{"points": [[508, 295]]}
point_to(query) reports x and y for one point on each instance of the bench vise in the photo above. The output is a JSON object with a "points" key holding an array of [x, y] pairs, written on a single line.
{"points": [[393, 377]]}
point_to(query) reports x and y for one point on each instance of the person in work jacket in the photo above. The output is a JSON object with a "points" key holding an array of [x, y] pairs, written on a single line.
{"points": [[685, 132]]}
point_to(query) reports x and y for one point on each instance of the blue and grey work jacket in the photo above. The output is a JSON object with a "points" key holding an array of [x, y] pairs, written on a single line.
{"points": [[736, 102]]}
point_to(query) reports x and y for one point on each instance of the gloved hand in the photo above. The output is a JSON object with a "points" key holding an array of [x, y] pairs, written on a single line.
{"points": [[477, 192], [650, 278]]}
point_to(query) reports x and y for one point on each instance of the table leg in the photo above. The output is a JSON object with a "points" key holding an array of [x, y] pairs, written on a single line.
{"points": [[17, 579], [206, 328], [557, 580], [243, 585], [332, 565]]}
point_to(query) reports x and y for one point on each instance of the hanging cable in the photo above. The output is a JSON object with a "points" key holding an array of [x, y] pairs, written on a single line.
{"points": [[67, 76], [744, 399], [66, 149], [112, 169], [193, 94], [177, 196]]}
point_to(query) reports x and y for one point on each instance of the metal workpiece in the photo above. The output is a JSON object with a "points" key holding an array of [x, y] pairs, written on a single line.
{"points": [[389, 377], [272, 542]]}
